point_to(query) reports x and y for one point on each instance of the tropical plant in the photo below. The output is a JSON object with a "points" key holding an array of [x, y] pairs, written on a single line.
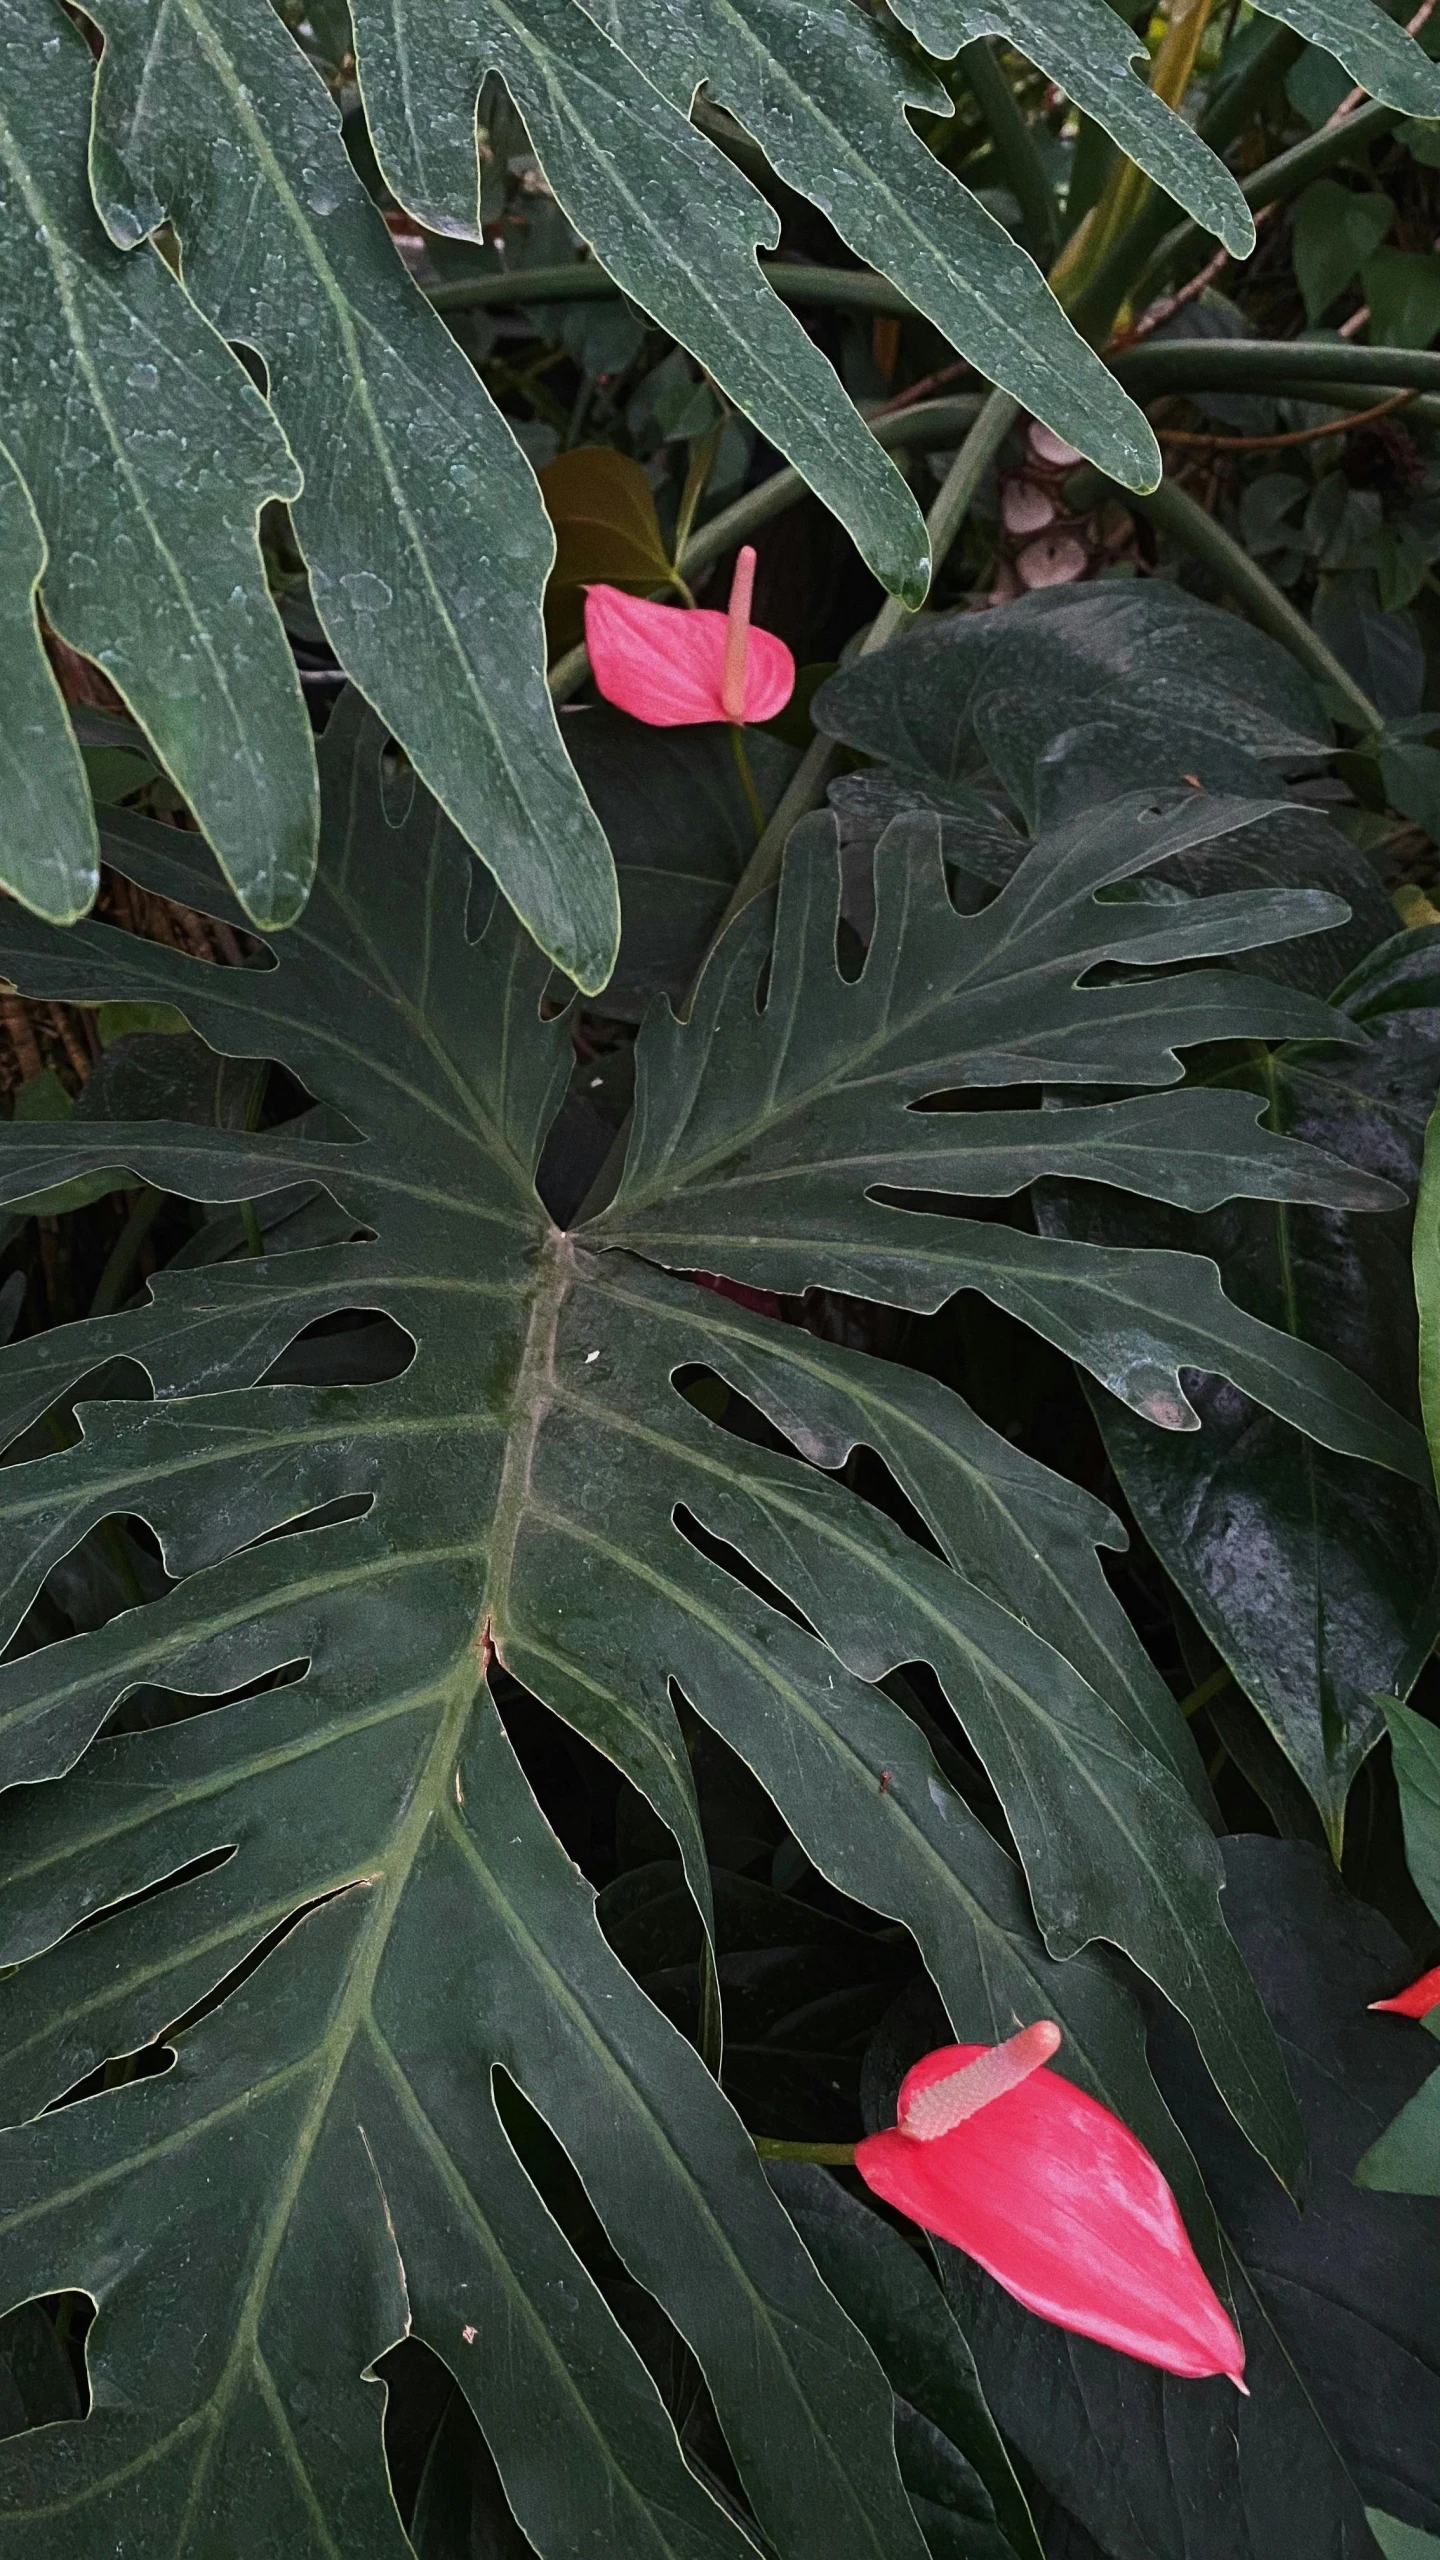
{"points": [[137, 452], [353, 1862], [716, 1707]]}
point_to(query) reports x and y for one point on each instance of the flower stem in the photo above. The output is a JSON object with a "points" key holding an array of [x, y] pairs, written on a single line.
{"points": [[826, 2155], [747, 778], [806, 788]]}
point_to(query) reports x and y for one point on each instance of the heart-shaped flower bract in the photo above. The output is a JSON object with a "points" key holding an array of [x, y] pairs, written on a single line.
{"points": [[676, 666], [1055, 2198]]}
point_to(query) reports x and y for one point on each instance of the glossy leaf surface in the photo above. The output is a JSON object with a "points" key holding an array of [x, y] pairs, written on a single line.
{"points": [[1316, 1578], [147, 456], [51, 857], [535, 1485], [673, 222], [1077, 693], [427, 544], [824, 89]]}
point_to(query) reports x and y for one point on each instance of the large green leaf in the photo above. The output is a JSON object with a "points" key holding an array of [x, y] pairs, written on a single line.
{"points": [[674, 221], [1316, 1577], [535, 1486], [147, 456], [1375, 52], [1088, 48], [760, 1149], [427, 544], [824, 89], [1076, 693], [50, 857]]}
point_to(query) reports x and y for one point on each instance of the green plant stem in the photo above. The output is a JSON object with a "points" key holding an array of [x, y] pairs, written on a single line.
{"points": [[747, 778], [1176, 513], [1242, 98], [806, 788], [1295, 168], [254, 1238], [1208, 1689], [1014, 141], [114, 1281], [839, 288], [1271, 364], [930, 422], [826, 2155]]}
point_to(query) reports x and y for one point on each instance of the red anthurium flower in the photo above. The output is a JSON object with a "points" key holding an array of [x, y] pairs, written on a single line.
{"points": [[1055, 2198], [1418, 1999], [676, 666]]}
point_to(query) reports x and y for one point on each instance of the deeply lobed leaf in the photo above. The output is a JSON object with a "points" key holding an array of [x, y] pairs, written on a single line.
{"points": [[535, 1485]]}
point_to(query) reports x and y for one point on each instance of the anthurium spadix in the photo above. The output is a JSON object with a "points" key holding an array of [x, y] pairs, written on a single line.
{"points": [[1055, 2198]]}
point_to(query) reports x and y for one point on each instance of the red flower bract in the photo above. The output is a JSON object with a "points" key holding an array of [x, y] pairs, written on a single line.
{"points": [[1417, 1999], [676, 667], [1056, 2199]]}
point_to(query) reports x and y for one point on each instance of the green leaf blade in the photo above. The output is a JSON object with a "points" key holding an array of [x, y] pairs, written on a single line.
{"points": [[681, 243], [149, 500], [51, 858], [426, 540]]}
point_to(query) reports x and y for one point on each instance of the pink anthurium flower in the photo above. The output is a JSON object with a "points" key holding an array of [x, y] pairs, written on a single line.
{"points": [[675, 666], [1418, 1998], [1054, 2196]]}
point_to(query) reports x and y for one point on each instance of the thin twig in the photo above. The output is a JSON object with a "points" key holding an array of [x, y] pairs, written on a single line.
{"points": [[1296, 435], [922, 389], [1160, 312], [1356, 97]]}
